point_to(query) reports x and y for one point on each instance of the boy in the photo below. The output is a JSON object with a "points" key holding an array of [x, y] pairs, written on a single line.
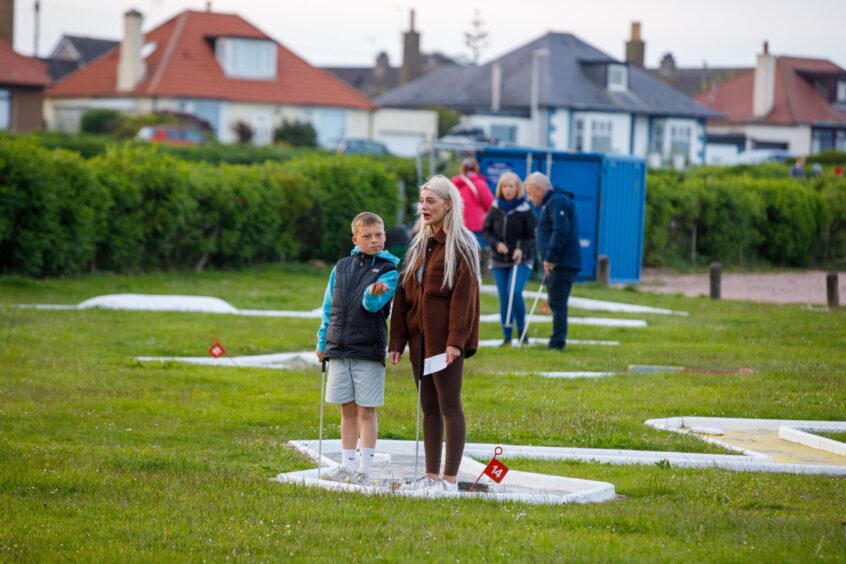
{"points": [[353, 338]]}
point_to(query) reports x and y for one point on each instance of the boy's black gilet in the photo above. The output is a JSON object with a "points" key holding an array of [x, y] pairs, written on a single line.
{"points": [[353, 331]]}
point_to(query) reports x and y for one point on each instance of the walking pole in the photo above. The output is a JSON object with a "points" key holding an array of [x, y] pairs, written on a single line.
{"points": [[320, 439], [419, 387], [511, 296], [532, 312]]}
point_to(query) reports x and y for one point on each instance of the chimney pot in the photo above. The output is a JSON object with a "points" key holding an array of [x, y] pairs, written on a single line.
{"points": [[635, 31]]}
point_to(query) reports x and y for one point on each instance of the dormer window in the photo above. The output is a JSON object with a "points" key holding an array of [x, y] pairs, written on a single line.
{"points": [[841, 92], [618, 78], [247, 58]]}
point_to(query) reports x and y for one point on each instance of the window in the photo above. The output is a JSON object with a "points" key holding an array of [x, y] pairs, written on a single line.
{"points": [[600, 136], [617, 78], [5, 109], [840, 142], [578, 143], [504, 133], [657, 142], [680, 137], [247, 58], [841, 91]]}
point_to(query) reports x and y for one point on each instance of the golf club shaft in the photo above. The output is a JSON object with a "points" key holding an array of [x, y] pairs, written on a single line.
{"points": [[532, 312], [511, 296], [320, 439]]}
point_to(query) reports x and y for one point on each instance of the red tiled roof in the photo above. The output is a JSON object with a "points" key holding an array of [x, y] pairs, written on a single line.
{"points": [[184, 65], [796, 101], [20, 70]]}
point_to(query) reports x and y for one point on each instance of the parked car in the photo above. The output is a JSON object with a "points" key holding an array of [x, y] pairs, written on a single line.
{"points": [[361, 147], [172, 134], [757, 156]]}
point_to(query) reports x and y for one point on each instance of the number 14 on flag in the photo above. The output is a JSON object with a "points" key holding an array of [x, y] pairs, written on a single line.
{"points": [[495, 470]]}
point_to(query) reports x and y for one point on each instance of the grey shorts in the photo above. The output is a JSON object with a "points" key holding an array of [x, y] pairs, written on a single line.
{"points": [[353, 379]]}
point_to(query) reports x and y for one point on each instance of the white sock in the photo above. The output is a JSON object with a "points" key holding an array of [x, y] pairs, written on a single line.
{"points": [[348, 459], [366, 460]]}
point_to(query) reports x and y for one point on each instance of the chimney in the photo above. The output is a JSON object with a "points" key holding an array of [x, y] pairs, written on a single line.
{"points": [[7, 21], [496, 86], [635, 47], [764, 89], [131, 68], [410, 54]]}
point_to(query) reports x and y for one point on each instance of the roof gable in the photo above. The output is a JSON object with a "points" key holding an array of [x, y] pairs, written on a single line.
{"points": [[184, 65]]}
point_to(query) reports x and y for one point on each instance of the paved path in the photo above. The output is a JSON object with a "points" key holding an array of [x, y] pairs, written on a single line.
{"points": [[777, 287]]}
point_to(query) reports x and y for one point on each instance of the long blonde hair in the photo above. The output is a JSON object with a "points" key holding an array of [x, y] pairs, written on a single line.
{"points": [[460, 242]]}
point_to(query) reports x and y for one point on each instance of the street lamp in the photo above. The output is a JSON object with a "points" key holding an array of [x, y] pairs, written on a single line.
{"points": [[537, 54]]}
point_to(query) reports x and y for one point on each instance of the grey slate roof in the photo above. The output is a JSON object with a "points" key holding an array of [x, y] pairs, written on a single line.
{"points": [[566, 81]]}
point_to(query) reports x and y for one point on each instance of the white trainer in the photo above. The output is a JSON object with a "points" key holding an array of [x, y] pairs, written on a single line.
{"points": [[359, 479], [338, 474], [422, 483], [447, 486]]}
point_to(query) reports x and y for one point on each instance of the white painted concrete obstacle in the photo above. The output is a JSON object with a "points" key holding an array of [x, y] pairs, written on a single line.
{"points": [[595, 305], [595, 321], [397, 465]]}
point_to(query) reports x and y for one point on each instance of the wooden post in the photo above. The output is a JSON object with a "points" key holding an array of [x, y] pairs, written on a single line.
{"points": [[603, 269], [716, 271], [832, 291]]}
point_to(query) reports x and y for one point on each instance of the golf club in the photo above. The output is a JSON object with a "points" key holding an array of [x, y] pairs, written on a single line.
{"points": [[511, 296], [532, 312], [320, 436]]}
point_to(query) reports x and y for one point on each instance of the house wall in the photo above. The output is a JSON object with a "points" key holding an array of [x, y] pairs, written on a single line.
{"points": [[797, 138], [26, 108], [523, 126], [558, 130], [65, 114], [640, 140], [402, 131]]}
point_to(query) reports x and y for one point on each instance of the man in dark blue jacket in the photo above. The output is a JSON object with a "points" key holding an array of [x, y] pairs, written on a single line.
{"points": [[557, 239]]}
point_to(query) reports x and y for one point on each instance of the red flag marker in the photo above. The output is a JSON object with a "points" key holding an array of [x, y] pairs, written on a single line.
{"points": [[495, 470], [217, 350], [545, 308]]}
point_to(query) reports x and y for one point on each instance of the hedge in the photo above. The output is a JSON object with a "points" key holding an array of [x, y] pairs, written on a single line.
{"points": [[741, 217], [135, 208]]}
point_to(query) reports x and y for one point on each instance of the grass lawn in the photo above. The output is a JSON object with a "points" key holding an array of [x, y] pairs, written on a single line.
{"points": [[105, 458]]}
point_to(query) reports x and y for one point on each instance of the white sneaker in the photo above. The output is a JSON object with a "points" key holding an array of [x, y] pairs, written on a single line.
{"points": [[359, 479], [447, 486], [338, 474], [422, 483]]}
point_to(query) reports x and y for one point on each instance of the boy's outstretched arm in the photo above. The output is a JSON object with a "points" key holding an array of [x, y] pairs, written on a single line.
{"points": [[327, 309], [380, 292]]}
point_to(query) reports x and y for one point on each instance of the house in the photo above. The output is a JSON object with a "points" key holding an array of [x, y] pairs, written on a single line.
{"points": [[224, 70], [791, 103], [559, 92], [692, 81], [22, 83], [383, 77], [72, 52], [22, 80]]}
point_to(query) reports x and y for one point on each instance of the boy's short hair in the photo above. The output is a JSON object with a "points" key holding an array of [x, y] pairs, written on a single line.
{"points": [[364, 219]]}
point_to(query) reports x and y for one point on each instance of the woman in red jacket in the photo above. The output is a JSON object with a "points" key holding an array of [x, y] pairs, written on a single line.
{"points": [[476, 196], [436, 311]]}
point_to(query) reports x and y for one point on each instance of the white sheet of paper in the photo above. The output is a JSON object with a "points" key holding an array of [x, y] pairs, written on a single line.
{"points": [[434, 364]]}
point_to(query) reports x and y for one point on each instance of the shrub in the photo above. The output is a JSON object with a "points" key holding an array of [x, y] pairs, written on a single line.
{"points": [[296, 134], [100, 121]]}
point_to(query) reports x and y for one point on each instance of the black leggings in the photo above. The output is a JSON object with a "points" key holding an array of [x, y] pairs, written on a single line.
{"points": [[440, 401]]}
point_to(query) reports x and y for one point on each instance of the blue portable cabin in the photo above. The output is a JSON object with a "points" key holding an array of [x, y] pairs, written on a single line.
{"points": [[610, 194]]}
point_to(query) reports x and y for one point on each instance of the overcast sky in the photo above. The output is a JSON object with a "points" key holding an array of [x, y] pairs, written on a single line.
{"points": [[351, 32]]}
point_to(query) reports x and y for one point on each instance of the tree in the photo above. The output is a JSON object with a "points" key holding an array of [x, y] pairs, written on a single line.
{"points": [[476, 39]]}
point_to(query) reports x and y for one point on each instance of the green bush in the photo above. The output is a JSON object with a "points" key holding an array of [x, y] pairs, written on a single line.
{"points": [[296, 134], [100, 121]]}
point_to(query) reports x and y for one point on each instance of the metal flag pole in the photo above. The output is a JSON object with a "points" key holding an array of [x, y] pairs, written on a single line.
{"points": [[532, 312]]}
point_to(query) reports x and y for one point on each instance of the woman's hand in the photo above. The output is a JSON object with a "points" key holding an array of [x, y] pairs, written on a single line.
{"points": [[395, 357], [501, 248], [378, 288], [320, 356], [452, 353], [517, 256]]}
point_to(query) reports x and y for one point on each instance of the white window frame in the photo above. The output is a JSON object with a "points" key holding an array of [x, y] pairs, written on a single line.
{"points": [[681, 136], [841, 92], [618, 78], [601, 129], [5, 109], [579, 135], [234, 56]]}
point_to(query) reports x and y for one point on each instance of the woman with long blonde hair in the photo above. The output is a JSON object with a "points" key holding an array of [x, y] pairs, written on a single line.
{"points": [[436, 311]]}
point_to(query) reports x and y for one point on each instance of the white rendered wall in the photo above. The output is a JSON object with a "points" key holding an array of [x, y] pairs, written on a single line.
{"points": [[641, 136], [559, 134], [523, 126], [53, 108], [798, 138], [402, 131]]}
